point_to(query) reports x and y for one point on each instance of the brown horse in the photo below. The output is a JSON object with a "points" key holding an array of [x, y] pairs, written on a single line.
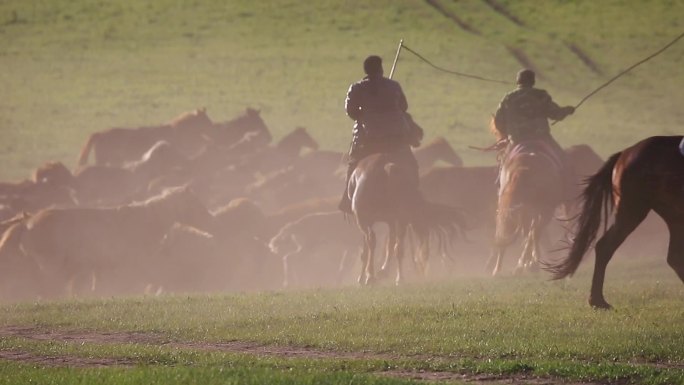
{"points": [[381, 189], [646, 176], [117, 146], [250, 124], [279, 156], [75, 247], [530, 190], [438, 149], [314, 247]]}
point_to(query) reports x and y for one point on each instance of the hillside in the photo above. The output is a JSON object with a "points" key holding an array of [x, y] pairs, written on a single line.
{"points": [[71, 67]]}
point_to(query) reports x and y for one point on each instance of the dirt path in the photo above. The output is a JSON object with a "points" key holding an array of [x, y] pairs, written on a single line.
{"points": [[88, 337]]}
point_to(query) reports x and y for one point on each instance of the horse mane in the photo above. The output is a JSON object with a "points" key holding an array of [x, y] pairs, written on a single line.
{"points": [[241, 217], [165, 195], [196, 115]]}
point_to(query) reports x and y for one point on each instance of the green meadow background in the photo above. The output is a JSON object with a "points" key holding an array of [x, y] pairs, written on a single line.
{"points": [[72, 67]]}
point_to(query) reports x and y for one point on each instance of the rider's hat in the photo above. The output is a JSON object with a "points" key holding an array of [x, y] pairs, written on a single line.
{"points": [[525, 77]]}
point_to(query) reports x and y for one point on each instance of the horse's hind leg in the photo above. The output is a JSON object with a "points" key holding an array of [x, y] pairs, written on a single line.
{"points": [[389, 251], [628, 216], [528, 251], [675, 252], [399, 250], [367, 276]]}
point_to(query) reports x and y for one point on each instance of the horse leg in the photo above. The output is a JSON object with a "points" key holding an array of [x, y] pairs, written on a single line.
{"points": [[389, 249], [399, 250], [495, 259], [539, 234], [422, 257], [364, 260], [369, 267], [290, 260], [675, 252], [526, 255], [628, 216]]}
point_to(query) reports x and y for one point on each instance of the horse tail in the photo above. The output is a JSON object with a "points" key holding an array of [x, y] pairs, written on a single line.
{"points": [[598, 203], [83, 158], [440, 221]]}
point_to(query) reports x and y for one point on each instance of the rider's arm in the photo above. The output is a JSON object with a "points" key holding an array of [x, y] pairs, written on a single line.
{"points": [[351, 104], [499, 120], [401, 99], [554, 111]]}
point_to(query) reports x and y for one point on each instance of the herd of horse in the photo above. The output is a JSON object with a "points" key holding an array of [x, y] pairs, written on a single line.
{"points": [[197, 205]]}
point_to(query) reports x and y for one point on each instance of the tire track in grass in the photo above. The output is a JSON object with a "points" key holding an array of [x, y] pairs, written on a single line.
{"points": [[253, 348], [501, 10], [572, 47], [63, 361], [453, 17]]}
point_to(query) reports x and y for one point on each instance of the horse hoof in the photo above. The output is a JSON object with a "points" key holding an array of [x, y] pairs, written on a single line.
{"points": [[600, 304], [533, 267], [382, 273], [370, 281]]}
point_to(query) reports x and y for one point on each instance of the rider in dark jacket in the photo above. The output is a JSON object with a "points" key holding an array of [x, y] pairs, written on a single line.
{"points": [[524, 113], [378, 107]]}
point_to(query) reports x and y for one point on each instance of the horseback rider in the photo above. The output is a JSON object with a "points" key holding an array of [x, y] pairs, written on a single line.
{"points": [[378, 107], [524, 112], [523, 116]]}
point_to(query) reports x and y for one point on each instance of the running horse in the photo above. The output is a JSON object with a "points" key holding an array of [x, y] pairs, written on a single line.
{"points": [[530, 190], [646, 176], [383, 189]]}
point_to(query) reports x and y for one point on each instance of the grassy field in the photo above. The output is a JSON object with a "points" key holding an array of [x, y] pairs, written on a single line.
{"points": [[74, 67], [516, 328]]}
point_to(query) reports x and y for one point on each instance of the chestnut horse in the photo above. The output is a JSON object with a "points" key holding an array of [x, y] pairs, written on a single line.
{"points": [[646, 176], [77, 246], [383, 188], [531, 187], [438, 149], [116, 146]]}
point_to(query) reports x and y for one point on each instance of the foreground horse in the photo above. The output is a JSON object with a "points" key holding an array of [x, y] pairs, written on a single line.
{"points": [[78, 246], [530, 189], [381, 189], [647, 176]]}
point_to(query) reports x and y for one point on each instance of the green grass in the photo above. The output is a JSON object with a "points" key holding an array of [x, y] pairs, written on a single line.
{"points": [[74, 67], [509, 326]]}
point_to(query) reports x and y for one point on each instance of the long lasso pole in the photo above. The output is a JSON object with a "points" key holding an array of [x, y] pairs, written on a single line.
{"points": [[396, 58]]}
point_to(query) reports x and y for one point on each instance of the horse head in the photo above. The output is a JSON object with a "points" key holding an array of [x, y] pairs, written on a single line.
{"points": [[228, 133], [296, 140]]}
